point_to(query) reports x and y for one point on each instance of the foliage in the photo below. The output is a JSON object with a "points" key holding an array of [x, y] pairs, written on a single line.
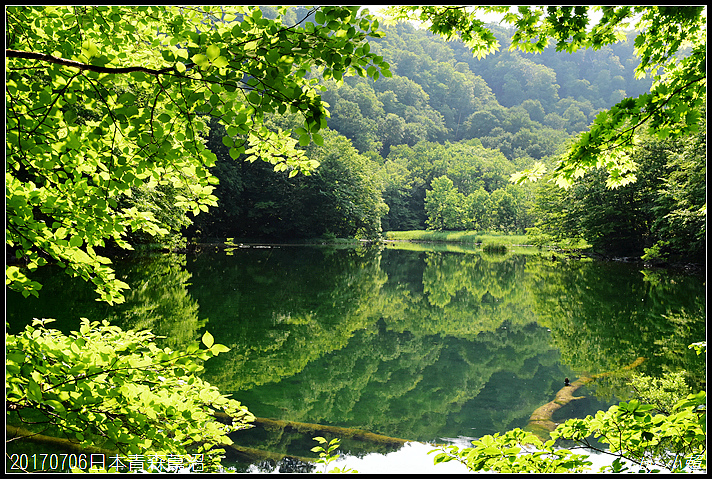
{"points": [[663, 392], [494, 247], [444, 205], [649, 441], [680, 206], [634, 435], [513, 452], [679, 81], [342, 197], [455, 237], [162, 202], [448, 209], [115, 389], [536, 237], [660, 217], [438, 94], [327, 456], [700, 347], [457, 185], [105, 99], [656, 252]]}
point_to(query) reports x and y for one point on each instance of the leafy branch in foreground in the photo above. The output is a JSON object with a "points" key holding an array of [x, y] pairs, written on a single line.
{"points": [[651, 442], [105, 100], [117, 390], [634, 435], [327, 456], [512, 452]]}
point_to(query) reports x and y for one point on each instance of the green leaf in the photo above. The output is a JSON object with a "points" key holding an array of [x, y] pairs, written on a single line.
{"points": [[89, 49], [212, 52], [76, 241], [201, 60], [34, 392], [219, 348], [207, 339], [220, 62]]}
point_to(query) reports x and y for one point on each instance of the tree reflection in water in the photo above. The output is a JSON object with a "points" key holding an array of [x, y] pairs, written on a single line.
{"points": [[420, 344]]}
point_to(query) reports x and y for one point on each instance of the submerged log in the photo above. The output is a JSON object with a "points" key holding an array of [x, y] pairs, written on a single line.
{"points": [[244, 452], [540, 422], [247, 453], [260, 455], [14, 432], [252, 455], [321, 429]]}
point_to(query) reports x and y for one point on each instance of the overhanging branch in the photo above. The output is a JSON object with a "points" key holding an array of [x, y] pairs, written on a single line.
{"points": [[81, 66]]}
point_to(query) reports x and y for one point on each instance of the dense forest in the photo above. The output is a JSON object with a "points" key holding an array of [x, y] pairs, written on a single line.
{"points": [[434, 145]]}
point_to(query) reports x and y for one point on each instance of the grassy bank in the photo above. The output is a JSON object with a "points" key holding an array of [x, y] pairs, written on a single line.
{"points": [[475, 237]]}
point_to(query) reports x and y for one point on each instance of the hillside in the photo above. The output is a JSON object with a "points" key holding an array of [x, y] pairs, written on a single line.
{"points": [[442, 113]]}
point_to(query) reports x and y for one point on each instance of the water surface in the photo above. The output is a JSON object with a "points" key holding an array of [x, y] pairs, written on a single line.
{"points": [[412, 342]]}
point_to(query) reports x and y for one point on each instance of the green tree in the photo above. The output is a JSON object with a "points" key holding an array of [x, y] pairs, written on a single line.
{"points": [[480, 208], [671, 44], [151, 76], [557, 215], [393, 129], [346, 117], [510, 209], [662, 214], [404, 212], [505, 209], [343, 196], [410, 171], [444, 205], [680, 208]]}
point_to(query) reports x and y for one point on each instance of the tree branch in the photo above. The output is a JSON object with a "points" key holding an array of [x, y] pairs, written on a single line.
{"points": [[81, 66]]}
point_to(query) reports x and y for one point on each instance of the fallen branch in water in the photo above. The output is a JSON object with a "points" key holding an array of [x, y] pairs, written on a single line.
{"points": [[248, 453], [540, 422], [252, 455], [320, 429]]}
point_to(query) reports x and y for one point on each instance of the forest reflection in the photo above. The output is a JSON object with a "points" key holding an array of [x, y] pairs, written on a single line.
{"points": [[414, 344]]}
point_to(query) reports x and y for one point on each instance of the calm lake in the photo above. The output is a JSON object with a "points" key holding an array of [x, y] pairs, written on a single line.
{"points": [[415, 342]]}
